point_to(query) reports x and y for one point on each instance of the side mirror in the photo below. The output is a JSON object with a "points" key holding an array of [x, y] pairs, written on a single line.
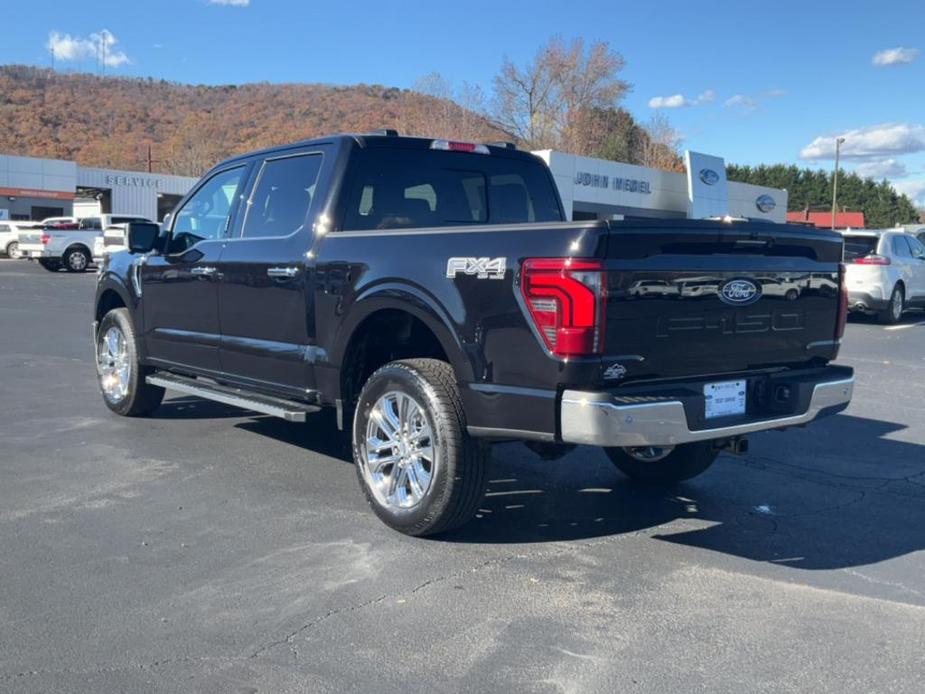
{"points": [[165, 223], [142, 236]]}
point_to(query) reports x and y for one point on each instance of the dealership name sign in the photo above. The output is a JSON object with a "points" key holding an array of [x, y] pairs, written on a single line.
{"points": [[629, 185], [136, 181]]}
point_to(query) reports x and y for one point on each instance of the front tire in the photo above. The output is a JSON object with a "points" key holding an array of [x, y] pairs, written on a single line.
{"points": [[420, 471], [120, 374], [894, 310], [12, 250], [76, 260], [651, 465]]}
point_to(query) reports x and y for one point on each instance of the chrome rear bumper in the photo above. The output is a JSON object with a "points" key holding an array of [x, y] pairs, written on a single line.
{"points": [[587, 419]]}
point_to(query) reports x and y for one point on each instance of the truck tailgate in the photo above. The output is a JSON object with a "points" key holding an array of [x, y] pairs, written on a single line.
{"points": [[711, 298]]}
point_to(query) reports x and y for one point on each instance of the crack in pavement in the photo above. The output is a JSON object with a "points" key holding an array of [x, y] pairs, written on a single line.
{"points": [[828, 479], [113, 669], [557, 549]]}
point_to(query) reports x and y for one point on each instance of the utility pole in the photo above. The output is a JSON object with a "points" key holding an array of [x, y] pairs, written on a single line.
{"points": [[838, 143], [149, 161]]}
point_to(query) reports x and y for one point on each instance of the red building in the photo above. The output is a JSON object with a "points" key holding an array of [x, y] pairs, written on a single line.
{"points": [[843, 220]]}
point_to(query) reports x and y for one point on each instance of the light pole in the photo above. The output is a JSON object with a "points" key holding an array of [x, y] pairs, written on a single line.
{"points": [[838, 143]]}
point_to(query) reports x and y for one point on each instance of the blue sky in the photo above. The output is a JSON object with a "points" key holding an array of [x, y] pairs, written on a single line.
{"points": [[758, 82]]}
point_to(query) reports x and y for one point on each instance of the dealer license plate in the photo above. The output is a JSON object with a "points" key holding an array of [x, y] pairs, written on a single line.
{"points": [[724, 399]]}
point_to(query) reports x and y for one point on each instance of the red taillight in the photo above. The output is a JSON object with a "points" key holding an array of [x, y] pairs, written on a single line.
{"points": [[872, 260], [842, 318], [566, 299], [45, 239], [448, 146]]}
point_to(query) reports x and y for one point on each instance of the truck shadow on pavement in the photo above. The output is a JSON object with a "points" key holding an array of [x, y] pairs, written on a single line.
{"points": [[840, 496], [191, 407], [835, 495]]}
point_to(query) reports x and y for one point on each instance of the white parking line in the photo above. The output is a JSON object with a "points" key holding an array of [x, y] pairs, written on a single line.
{"points": [[903, 327]]}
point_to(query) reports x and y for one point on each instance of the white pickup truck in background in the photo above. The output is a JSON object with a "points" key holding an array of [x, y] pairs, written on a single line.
{"points": [[69, 246]]}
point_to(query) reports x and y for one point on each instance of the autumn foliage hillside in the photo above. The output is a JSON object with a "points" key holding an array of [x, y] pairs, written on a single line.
{"points": [[110, 121]]}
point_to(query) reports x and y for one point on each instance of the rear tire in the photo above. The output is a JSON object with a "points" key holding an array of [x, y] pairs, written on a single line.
{"points": [[50, 265], [12, 250], [76, 260], [684, 462], [421, 472], [894, 310], [120, 374]]}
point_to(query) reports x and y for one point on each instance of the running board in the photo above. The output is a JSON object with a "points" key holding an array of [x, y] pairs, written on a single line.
{"points": [[265, 404]]}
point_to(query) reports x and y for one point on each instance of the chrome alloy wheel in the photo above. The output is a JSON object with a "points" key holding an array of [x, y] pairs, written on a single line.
{"points": [[113, 365], [399, 459], [649, 454], [77, 261]]}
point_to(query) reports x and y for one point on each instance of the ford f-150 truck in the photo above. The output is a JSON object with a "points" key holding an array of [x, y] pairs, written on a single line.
{"points": [[69, 245], [433, 296]]}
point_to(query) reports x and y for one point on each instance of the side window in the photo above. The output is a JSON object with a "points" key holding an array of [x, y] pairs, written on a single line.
{"points": [[91, 224], [282, 196], [918, 250], [900, 247], [4, 228], [205, 216]]}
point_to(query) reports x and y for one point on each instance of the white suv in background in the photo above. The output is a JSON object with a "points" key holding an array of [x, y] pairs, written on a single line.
{"points": [[885, 272], [9, 236]]}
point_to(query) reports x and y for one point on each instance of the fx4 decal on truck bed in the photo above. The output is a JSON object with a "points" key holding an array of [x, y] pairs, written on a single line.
{"points": [[482, 268]]}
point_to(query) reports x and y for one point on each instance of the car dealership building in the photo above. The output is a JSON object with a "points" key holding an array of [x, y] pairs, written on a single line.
{"points": [[32, 188], [602, 189]]}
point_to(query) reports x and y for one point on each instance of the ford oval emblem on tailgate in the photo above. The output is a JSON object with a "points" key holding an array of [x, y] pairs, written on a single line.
{"points": [[740, 292]]}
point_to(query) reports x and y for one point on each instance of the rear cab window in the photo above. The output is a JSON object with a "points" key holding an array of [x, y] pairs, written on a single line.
{"points": [[860, 246], [395, 188]]}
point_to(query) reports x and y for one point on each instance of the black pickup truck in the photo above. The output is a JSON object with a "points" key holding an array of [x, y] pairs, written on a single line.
{"points": [[432, 294]]}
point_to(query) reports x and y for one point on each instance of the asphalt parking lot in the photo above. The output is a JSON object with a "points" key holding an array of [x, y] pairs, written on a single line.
{"points": [[206, 550]]}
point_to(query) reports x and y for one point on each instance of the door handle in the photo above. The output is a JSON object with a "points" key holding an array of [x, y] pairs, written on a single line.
{"points": [[287, 272], [201, 271]]}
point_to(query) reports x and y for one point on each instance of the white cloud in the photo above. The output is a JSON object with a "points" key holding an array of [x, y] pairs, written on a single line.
{"points": [[894, 56], [914, 189], [887, 168], [98, 46], [774, 93], [707, 97], [746, 103], [674, 101], [679, 100], [875, 142], [230, 3]]}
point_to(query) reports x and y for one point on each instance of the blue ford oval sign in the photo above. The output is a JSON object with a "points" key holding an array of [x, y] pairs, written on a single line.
{"points": [[765, 203], [740, 292], [709, 176]]}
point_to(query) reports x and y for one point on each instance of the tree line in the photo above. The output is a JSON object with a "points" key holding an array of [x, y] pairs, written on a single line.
{"points": [[811, 190]]}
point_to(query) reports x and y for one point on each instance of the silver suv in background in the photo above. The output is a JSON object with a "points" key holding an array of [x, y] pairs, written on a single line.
{"points": [[885, 272]]}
